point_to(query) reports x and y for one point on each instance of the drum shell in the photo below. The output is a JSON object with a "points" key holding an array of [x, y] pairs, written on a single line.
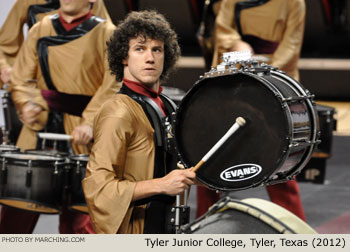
{"points": [[36, 187], [77, 173], [209, 109]]}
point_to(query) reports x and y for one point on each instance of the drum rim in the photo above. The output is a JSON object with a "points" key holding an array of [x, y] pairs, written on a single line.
{"points": [[50, 206], [13, 158]]}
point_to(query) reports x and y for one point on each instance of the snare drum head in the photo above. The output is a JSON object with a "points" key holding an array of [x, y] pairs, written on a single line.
{"points": [[253, 152]]}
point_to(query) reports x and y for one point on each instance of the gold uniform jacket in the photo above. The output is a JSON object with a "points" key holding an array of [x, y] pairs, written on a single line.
{"points": [[123, 153], [279, 21]]}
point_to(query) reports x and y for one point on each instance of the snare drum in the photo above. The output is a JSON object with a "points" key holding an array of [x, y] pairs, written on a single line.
{"points": [[248, 216], [77, 174], [31, 182], [276, 142]]}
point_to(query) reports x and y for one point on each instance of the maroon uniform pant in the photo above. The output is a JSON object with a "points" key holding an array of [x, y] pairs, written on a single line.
{"points": [[14, 221]]}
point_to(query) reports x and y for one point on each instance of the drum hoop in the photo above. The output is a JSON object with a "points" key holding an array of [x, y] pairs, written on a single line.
{"points": [[55, 209], [14, 158]]}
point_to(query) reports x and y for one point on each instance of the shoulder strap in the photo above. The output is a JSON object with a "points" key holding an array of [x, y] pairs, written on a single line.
{"points": [[152, 111], [45, 42], [36, 9]]}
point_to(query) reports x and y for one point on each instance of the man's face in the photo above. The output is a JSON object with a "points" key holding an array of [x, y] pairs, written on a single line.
{"points": [[75, 7], [145, 61]]}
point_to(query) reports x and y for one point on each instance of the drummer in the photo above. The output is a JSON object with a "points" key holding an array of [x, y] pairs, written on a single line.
{"points": [[275, 30], [63, 95], [126, 172]]}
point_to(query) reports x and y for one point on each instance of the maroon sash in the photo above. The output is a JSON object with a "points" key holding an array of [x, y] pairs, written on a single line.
{"points": [[259, 45], [73, 104]]}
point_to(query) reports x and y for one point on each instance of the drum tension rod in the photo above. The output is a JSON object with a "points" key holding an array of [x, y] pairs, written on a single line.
{"points": [[297, 98]]}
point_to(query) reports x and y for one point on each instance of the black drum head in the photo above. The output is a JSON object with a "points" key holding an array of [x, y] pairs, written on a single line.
{"points": [[251, 154]]}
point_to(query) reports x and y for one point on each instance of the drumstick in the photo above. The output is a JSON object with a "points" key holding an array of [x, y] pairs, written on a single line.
{"points": [[239, 123], [55, 136]]}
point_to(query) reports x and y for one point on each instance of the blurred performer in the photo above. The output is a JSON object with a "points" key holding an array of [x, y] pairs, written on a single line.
{"points": [[28, 12], [273, 29], [66, 56], [130, 181], [11, 39]]}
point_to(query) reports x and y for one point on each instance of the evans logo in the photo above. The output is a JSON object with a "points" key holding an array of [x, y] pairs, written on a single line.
{"points": [[240, 172]]}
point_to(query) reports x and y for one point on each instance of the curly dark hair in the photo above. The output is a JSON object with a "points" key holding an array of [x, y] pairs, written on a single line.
{"points": [[148, 24]]}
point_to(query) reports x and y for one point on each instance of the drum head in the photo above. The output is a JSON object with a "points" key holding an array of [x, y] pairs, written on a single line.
{"points": [[253, 152]]}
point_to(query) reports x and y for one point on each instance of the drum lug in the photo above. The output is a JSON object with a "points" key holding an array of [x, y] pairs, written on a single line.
{"points": [[3, 173], [29, 178], [298, 98]]}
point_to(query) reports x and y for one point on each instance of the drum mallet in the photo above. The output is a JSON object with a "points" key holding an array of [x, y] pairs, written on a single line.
{"points": [[239, 123]]}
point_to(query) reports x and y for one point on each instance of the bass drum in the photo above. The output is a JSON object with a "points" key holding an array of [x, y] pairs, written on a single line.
{"points": [[276, 142], [248, 216]]}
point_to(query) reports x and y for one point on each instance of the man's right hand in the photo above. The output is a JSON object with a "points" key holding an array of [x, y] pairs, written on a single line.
{"points": [[30, 112], [177, 181]]}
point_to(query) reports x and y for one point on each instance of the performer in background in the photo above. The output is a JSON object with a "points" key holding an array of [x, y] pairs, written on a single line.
{"points": [[273, 29], [11, 32], [11, 39], [65, 55], [130, 181]]}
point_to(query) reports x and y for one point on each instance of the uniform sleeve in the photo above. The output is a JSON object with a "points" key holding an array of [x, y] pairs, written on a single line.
{"points": [[287, 54], [11, 33], [108, 194], [225, 30], [23, 85], [109, 86]]}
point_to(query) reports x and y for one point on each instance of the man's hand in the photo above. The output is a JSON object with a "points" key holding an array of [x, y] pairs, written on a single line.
{"points": [[5, 74], [30, 112], [82, 134], [177, 181]]}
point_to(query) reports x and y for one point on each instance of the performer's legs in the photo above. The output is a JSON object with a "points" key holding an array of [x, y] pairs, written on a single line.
{"points": [[205, 199], [15, 221], [287, 195], [75, 223]]}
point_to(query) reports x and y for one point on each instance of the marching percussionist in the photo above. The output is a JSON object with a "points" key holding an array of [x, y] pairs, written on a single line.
{"points": [[27, 12], [65, 55], [273, 29], [130, 184]]}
